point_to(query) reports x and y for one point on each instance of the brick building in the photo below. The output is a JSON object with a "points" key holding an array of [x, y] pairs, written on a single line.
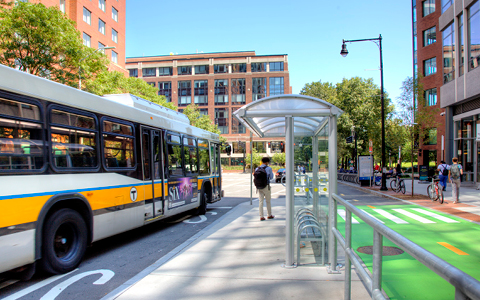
{"points": [[448, 52], [219, 83], [101, 23]]}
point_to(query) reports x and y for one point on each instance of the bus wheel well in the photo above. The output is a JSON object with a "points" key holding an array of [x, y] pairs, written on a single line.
{"points": [[207, 190], [75, 202]]}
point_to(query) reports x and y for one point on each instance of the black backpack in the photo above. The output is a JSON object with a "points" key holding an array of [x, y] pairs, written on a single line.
{"points": [[445, 170], [260, 177]]}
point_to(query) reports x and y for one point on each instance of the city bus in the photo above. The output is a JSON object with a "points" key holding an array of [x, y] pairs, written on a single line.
{"points": [[76, 168]]}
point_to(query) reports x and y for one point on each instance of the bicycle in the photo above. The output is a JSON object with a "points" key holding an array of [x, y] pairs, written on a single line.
{"points": [[378, 178], [397, 187], [435, 191]]}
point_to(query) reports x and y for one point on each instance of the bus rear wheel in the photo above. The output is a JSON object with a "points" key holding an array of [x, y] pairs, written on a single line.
{"points": [[64, 241]]}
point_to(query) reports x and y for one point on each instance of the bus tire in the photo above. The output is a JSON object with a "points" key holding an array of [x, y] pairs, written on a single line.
{"points": [[64, 241], [202, 209]]}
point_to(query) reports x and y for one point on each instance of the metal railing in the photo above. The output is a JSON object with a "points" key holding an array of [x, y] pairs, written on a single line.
{"points": [[350, 177], [465, 285]]}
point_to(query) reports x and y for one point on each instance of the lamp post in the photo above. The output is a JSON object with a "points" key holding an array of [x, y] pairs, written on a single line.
{"points": [[80, 67], [344, 52]]}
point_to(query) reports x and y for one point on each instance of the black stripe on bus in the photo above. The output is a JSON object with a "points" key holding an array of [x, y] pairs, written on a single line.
{"points": [[117, 208], [17, 228]]}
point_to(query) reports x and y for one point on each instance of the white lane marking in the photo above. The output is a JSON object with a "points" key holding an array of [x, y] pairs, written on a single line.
{"points": [[372, 216], [222, 207], [436, 216], [413, 216], [214, 213], [343, 214], [202, 219], [36, 286], [56, 290], [390, 216]]}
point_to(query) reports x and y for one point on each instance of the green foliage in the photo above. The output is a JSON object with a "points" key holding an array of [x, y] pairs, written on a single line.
{"points": [[44, 42], [116, 83], [361, 102], [279, 159], [202, 121], [257, 159]]}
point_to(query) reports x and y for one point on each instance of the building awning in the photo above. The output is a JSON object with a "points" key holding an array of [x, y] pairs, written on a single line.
{"points": [[266, 117]]}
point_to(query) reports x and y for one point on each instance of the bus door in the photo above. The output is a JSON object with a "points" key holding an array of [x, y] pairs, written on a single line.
{"points": [[215, 159], [152, 172]]}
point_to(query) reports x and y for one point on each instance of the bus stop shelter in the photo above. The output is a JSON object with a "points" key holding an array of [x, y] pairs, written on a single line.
{"points": [[290, 116]]}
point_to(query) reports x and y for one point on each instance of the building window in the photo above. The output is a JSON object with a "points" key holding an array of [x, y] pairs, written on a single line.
{"points": [[259, 67], [238, 91], [429, 36], [200, 92], [184, 70], [276, 86], [203, 111], [201, 69], [260, 147], [221, 119], [115, 57], [430, 66], [237, 127], [101, 46], [220, 69], [165, 89], [114, 35], [462, 45], [431, 97], [101, 26], [184, 92], [165, 71], [151, 83], [428, 7], [448, 54], [86, 39], [474, 34], [431, 137], [259, 88], [133, 72], [114, 14], [62, 6], [101, 4], [239, 68], [149, 72], [276, 67], [221, 91], [87, 16], [446, 4]]}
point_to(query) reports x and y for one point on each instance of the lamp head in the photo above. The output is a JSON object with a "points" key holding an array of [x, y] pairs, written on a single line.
{"points": [[344, 51]]}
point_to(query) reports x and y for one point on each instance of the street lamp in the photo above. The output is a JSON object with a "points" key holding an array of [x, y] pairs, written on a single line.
{"points": [[344, 53], [80, 67]]}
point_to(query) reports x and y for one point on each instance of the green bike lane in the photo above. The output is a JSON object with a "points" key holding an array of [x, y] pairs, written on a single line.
{"points": [[453, 239]]}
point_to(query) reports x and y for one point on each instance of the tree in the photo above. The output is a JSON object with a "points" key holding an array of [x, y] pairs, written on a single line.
{"points": [[202, 121], [279, 159], [257, 159], [44, 42], [116, 83]]}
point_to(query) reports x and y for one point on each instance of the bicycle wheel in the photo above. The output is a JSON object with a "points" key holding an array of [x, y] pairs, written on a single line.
{"points": [[431, 193], [393, 184], [440, 196], [402, 186]]}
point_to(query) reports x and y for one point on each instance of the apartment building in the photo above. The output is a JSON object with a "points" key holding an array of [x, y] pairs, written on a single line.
{"points": [[101, 24], [219, 83], [450, 65]]}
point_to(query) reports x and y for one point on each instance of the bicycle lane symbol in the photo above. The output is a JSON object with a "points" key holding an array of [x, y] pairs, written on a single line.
{"points": [[202, 218]]}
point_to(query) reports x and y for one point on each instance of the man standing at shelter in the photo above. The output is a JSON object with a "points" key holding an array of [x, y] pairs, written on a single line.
{"points": [[262, 177]]}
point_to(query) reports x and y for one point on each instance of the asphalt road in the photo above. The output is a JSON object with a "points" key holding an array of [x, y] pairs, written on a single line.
{"points": [[110, 264]]}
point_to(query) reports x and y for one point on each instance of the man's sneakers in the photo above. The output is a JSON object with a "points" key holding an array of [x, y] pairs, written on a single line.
{"points": [[271, 217], [262, 219]]}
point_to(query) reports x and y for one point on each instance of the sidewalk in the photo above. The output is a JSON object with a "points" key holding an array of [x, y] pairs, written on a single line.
{"points": [[240, 257], [468, 208]]}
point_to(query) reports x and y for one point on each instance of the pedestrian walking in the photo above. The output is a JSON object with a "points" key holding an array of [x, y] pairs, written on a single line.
{"points": [[443, 174], [454, 176], [262, 177]]}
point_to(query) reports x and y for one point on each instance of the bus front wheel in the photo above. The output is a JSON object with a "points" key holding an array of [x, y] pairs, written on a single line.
{"points": [[64, 241]]}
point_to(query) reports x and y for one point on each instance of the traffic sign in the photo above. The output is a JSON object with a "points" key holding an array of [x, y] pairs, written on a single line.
{"points": [[349, 139], [370, 146]]}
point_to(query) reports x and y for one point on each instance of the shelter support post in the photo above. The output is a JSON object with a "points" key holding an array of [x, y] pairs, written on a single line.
{"points": [[289, 205], [332, 189], [314, 186]]}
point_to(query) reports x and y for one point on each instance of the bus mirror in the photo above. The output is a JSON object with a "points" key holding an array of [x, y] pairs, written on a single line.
{"points": [[228, 149]]}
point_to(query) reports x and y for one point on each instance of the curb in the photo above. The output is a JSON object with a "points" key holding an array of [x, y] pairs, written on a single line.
{"points": [[375, 192]]}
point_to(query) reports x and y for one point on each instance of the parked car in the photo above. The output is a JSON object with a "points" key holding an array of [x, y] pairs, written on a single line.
{"points": [[280, 173]]}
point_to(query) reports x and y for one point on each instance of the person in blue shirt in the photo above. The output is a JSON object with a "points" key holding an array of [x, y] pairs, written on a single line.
{"points": [[443, 178], [266, 192]]}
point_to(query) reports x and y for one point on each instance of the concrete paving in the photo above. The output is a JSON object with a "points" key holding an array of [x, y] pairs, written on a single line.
{"points": [[241, 257]]}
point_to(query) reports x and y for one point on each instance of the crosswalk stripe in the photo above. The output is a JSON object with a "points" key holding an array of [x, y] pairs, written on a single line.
{"points": [[413, 216], [373, 216], [343, 214], [390, 216], [436, 216]]}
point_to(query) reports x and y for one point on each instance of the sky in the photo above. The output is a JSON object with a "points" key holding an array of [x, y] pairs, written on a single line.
{"points": [[309, 31]]}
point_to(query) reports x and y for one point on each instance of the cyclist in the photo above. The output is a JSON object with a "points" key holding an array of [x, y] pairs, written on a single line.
{"points": [[398, 172], [443, 172]]}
